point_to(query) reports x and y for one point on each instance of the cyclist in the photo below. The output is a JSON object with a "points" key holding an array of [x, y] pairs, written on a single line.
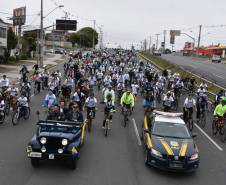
{"points": [[149, 102], [4, 82], [90, 104], [202, 105], [24, 72], [135, 89], [204, 85], [45, 77], [92, 81], [220, 110], [23, 103], [50, 99], [201, 91], [127, 100], [219, 97], [78, 97], [36, 68], [168, 102], [188, 107], [109, 106], [109, 90], [37, 79]]}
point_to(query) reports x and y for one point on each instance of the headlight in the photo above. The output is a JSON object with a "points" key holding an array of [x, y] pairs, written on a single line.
{"points": [[156, 153], [29, 149], [43, 140], [194, 157], [64, 142]]}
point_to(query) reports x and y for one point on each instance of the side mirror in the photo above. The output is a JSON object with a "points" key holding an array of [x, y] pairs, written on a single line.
{"points": [[194, 135]]}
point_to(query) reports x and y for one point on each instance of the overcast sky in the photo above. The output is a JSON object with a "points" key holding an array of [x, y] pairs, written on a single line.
{"points": [[127, 22]]}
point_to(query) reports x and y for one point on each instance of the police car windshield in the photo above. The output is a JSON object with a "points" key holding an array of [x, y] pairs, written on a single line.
{"points": [[166, 129]]}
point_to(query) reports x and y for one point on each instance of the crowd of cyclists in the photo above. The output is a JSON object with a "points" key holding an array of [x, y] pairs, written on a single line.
{"points": [[120, 77]]}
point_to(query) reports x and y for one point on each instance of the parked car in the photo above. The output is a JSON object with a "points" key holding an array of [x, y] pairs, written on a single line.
{"points": [[216, 58], [59, 51], [157, 53]]}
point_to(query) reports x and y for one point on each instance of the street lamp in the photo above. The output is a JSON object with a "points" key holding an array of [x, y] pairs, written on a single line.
{"points": [[60, 6], [190, 37], [41, 31]]}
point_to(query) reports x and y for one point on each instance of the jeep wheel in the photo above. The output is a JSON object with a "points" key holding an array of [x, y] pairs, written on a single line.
{"points": [[34, 162], [73, 163]]}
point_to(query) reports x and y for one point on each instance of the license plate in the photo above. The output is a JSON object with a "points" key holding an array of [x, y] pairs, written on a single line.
{"points": [[35, 154], [175, 165], [51, 156]]}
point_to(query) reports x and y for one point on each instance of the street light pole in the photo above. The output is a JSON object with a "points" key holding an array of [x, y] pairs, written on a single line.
{"points": [[41, 36], [94, 25]]}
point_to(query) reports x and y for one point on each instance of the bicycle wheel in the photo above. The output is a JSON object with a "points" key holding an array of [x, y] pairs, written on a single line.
{"points": [[203, 120], [125, 120], [222, 133], [15, 117], [2, 117], [7, 108], [89, 124], [214, 128], [190, 124], [26, 113], [106, 128]]}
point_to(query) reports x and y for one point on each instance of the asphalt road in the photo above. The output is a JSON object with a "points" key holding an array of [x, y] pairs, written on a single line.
{"points": [[115, 160], [212, 71]]}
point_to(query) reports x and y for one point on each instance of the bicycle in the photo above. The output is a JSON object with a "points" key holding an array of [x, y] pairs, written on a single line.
{"points": [[218, 126], [202, 119], [98, 84], [126, 113], [89, 119], [19, 113], [107, 122], [2, 114], [189, 121]]}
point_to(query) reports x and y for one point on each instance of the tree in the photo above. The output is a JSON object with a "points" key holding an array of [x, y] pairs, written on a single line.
{"points": [[74, 38], [29, 43], [11, 43], [86, 37]]}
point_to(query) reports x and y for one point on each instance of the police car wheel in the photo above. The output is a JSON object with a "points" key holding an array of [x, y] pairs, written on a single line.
{"points": [[146, 157], [34, 162]]}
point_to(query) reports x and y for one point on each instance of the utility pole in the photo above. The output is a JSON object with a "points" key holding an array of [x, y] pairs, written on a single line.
{"points": [[41, 36], [150, 44], [94, 25], [157, 40], [200, 32], [164, 47]]}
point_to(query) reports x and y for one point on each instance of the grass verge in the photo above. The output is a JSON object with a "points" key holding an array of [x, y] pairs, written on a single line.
{"points": [[164, 64]]}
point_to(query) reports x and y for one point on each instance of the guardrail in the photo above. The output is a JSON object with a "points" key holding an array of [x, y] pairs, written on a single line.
{"points": [[201, 78]]}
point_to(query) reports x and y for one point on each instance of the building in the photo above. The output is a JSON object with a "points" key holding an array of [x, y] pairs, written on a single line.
{"points": [[3, 37], [57, 39]]}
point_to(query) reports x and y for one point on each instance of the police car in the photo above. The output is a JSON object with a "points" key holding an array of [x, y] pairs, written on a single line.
{"points": [[168, 143]]}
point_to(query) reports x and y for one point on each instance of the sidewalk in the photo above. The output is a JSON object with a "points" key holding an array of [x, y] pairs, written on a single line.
{"points": [[12, 71]]}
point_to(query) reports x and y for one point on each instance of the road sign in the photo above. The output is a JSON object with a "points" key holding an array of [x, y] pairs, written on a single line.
{"points": [[19, 16], [172, 39], [66, 25], [175, 32]]}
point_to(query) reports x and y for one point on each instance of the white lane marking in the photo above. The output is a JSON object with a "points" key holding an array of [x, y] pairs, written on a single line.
{"points": [[219, 76], [210, 139], [136, 132]]}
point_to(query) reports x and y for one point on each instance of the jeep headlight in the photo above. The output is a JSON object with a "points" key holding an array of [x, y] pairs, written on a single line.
{"points": [[64, 142], [43, 140], [156, 153], [194, 157]]}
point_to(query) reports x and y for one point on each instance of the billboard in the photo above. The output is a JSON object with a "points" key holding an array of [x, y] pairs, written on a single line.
{"points": [[189, 46], [66, 25], [19, 16]]}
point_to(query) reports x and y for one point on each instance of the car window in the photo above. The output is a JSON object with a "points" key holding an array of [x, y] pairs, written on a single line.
{"points": [[166, 129]]}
